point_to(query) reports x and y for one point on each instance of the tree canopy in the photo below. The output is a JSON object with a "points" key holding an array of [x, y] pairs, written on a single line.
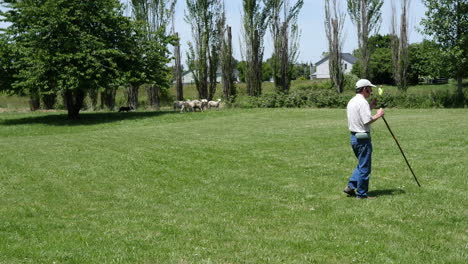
{"points": [[78, 47], [68, 46], [447, 22]]}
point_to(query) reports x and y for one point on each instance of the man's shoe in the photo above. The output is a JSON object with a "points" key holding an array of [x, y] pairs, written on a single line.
{"points": [[349, 191], [366, 197]]}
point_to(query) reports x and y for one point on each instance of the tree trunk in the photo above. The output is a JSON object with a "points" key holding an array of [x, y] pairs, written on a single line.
{"points": [[153, 96], [460, 84], [253, 71], [364, 40], [213, 69], [108, 98], [284, 59], [132, 95], [228, 69], [49, 100], [460, 95], [178, 72], [93, 96], [257, 66], [74, 102], [34, 102]]}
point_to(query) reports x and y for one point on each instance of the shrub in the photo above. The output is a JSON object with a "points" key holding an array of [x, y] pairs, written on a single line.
{"points": [[312, 96]]}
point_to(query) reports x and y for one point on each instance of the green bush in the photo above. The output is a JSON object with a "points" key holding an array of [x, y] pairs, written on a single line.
{"points": [[440, 99], [313, 96]]}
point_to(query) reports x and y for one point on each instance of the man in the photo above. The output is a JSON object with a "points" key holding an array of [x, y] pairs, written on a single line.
{"points": [[359, 120]]}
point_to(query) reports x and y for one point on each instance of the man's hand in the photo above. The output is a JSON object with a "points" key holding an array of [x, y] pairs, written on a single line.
{"points": [[380, 113]]}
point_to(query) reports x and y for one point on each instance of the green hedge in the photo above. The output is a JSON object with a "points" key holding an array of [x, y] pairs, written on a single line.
{"points": [[330, 99]]}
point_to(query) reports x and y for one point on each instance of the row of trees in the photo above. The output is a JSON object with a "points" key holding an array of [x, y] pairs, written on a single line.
{"points": [[425, 61], [212, 43], [78, 48], [74, 48], [446, 21]]}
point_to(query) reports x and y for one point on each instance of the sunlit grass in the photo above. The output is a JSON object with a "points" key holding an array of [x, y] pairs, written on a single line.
{"points": [[229, 186]]}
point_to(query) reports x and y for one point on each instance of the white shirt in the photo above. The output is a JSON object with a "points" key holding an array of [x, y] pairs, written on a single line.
{"points": [[359, 114]]}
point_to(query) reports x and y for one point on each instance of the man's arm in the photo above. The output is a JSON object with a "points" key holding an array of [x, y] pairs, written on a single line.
{"points": [[379, 114]]}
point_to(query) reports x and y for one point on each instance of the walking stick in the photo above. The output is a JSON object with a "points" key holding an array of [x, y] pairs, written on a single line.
{"points": [[401, 150], [398, 144]]}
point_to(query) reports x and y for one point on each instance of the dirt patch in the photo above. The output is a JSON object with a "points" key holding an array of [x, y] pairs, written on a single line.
{"points": [[22, 110]]}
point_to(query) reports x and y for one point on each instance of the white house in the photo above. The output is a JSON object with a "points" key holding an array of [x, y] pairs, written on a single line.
{"points": [[187, 77], [321, 70]]}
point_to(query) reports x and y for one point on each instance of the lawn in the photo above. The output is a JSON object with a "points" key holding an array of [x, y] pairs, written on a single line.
{"points": [[230, 186]]}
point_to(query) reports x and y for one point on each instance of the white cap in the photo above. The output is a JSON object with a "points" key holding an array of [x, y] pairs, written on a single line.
{"points": [[364, 83]]}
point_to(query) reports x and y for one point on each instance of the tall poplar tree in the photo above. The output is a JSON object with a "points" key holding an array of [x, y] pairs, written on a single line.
{"points": [[400, 48], [285, 33], [334, 20], [204, 17], [254, 25], [367, 17]]}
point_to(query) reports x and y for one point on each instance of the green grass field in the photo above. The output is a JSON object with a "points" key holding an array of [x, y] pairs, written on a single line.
{"points": [[230, 186]]}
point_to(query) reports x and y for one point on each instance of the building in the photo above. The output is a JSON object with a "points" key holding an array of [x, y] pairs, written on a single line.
{"points": [[320, 70], [187, 77]]}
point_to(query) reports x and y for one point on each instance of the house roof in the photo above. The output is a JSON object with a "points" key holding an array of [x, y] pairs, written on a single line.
{"points": [[345, 56]]}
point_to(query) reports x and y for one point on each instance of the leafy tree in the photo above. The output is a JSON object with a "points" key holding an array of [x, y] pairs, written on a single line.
{"points": [[267, 70], [366, 16], [426, 62], [241, 67], [66, 46], [380, 41], [301, 71], [447, 22], [380, 66], [154, 17], [7, 59]]}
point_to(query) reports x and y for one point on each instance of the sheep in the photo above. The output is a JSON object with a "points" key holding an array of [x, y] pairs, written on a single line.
{"points": [[215, 104], [194, 104], [179, 105], [204, 104]]}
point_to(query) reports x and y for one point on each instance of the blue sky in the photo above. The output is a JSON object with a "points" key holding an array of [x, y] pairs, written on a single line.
{"points": [[313, 41]]}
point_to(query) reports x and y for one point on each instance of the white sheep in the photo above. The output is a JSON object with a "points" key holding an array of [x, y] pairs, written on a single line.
{"points": [[179, 105], [204, 104], [194, 104], [214, 104]]}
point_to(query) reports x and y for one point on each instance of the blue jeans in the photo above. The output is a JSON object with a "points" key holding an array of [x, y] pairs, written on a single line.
{"points": [[360, 178]]}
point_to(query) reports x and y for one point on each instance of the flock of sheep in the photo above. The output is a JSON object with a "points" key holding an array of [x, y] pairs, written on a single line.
{"points": [[193, 105]]}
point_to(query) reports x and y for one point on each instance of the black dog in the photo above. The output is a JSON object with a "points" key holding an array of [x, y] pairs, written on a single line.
{"points": [[125, 108]]}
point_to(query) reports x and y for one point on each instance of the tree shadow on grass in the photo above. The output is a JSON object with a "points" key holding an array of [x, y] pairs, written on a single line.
{"points": [[386, 192], [94, 118]]}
